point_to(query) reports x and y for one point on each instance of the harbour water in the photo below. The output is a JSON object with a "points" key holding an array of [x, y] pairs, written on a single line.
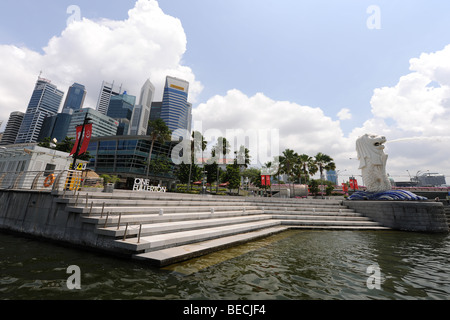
{"points": [[294, 265]]}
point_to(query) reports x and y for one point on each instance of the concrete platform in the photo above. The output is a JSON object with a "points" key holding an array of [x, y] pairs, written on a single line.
{"points": [[169, 256], [161, 241]]}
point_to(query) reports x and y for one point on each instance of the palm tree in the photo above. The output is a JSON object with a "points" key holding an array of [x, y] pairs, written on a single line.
{"points": [[306, 167], [198, 143], [222, 147], [324, 162], [268, 166], [242, 158], [159, 132], [288, 161]]}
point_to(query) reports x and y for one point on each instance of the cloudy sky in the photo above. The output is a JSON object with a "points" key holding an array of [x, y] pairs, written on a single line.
{"points": [[319, 73]]}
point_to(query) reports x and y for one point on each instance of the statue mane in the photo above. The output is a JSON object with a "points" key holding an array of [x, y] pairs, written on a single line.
{"points": [[372, 162]]}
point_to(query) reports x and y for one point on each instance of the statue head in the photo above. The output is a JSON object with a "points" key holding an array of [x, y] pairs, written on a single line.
{"points": [[370, 146]]}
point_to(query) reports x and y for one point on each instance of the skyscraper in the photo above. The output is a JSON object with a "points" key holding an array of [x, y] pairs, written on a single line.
{"points": [[101, 125], [45, 101], [12, 128], [106, 92], [75, 97], [141, 112], [175, 110], [56, 127], [121, 108]]}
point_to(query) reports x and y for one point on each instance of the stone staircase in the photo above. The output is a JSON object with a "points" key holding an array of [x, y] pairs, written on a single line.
{"points": [[164, 228]]}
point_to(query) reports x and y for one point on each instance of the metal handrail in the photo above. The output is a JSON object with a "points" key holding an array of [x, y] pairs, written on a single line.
{"points": [[33, 180]]}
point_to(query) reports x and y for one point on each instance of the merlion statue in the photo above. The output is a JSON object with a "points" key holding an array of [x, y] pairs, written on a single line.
{"points": [[372, 160]]}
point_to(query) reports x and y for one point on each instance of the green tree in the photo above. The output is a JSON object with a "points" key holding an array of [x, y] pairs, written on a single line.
{"points": [[233, 177], [305, 167], [184, 172], [45, 143], [67, 145], [315, 187], [253, 175], [242, 157], [221, 148], [161, 164], [288, 162], [198, 143], [109, 179], [160, 132], [324, 162]]}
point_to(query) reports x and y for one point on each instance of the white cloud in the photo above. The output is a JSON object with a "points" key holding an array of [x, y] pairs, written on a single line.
{"points": [[301, 128], [416, 112], [148, 44], [344, 114]]}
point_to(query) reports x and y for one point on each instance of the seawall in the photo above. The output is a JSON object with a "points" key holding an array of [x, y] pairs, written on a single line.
{"points": [[45, 215], [41, 214], [416, 216]]}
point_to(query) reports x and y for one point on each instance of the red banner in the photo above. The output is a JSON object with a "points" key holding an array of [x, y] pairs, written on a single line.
{"points": [[77, 140], [353, 184], [85, 141], [265, 180]]}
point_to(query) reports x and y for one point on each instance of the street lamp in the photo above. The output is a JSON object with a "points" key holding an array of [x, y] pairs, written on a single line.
{"points": [[203, 181], [337, 175]]}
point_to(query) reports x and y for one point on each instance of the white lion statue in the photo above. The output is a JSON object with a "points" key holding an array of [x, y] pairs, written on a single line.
{"points": [[372, 159]]}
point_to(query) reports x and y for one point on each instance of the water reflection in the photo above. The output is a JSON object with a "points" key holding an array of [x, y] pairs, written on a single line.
{"points": [[293, 265]]}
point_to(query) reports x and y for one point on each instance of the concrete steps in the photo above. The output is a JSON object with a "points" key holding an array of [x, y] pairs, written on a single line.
{"points": [[114, 220], [177, 226], [164, 257], [162, 241], [167, 228]]}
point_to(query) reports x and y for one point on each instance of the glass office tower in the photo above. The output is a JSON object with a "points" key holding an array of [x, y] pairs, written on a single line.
{"points": [[101, 125], [127, 157], [45, 101], [12, 128], [121, 108], [75, 97], [175, 109], [141, 112], [56, 127], [106, 92]]}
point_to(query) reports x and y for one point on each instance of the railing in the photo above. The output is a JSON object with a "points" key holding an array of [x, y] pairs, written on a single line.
{"points": [[41, 180]]}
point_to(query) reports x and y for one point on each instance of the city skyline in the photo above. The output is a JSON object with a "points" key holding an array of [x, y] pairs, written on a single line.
{"points": [[320, 73]]}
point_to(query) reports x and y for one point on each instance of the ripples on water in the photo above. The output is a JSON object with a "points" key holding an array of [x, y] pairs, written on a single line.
{"points": [[320, 265]]}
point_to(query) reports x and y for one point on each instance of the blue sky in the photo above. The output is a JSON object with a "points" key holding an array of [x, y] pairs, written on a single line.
{"points": [[319, 54]]}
